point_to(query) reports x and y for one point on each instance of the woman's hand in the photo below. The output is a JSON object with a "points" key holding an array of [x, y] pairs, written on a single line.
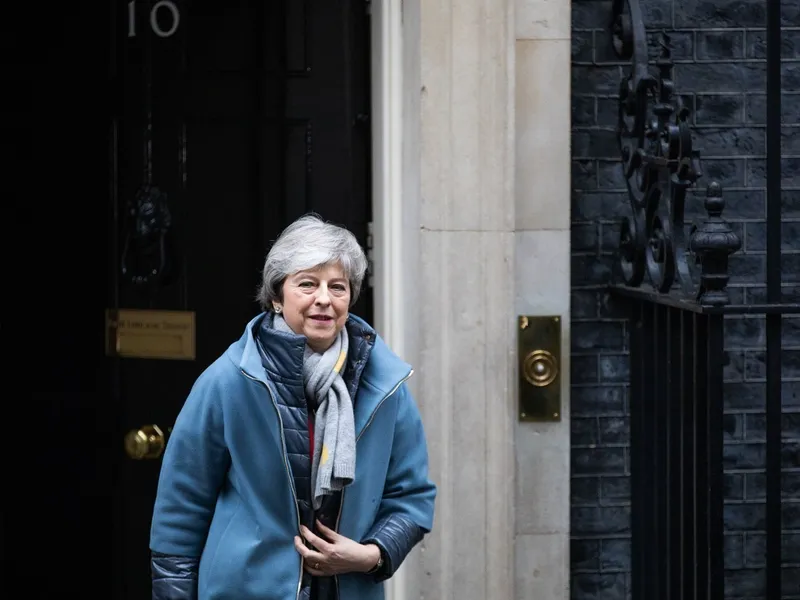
{"points": [[335, 554]]}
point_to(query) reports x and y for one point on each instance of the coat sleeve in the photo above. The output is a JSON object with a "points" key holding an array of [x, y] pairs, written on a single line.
{"points": [[174, 577], [193, 469], [406, 511]]}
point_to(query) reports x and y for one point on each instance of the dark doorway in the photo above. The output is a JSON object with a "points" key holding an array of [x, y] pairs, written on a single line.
{"points": [[166, 144]]}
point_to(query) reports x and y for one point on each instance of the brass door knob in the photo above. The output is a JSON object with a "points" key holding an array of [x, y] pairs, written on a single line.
{"points": [[147, 442]]}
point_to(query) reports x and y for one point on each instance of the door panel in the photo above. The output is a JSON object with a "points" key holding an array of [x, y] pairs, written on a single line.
{"points": [[250, 114], [245, 125]]}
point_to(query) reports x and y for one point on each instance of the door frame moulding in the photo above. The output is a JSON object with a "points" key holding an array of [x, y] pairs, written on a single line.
{"points": [[387, 193], [387, 169]]}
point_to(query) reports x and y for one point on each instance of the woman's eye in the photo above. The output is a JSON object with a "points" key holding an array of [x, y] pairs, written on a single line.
{"points": [[306, 284], [339, 287]]}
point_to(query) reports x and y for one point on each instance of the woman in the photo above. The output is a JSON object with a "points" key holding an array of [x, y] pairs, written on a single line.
{"points": [[297, 467]]}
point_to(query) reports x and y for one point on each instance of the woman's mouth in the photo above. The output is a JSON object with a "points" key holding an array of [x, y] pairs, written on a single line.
{"points": [[321, 318]]}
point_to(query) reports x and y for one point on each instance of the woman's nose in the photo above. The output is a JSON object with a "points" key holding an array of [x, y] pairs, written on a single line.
{"points": [[322, 295]]}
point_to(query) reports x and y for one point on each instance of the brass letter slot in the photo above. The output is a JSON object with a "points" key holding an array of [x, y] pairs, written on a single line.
{"points": [[539, 350]]}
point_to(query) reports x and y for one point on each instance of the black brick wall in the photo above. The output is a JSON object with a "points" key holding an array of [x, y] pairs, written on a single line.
{"points": [[719, 50]]}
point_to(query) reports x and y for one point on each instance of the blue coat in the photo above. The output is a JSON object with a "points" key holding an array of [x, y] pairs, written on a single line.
{"points": [[226, 514]]}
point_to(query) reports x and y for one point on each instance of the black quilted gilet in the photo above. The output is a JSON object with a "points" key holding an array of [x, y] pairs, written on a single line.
{"points": [[293, 408]]}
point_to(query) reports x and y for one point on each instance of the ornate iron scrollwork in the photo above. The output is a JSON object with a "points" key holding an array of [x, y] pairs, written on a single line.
{"points": [[660, 165]]}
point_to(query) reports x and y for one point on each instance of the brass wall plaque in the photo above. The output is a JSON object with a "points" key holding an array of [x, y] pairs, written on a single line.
{"points": [[161, 334], [539, 351]]}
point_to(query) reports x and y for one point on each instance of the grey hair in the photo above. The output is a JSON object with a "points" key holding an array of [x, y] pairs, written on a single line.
{"points": [[309, 243]]}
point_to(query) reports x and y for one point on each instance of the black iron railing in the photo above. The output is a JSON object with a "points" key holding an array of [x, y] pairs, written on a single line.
{"points": [[674, 276]]}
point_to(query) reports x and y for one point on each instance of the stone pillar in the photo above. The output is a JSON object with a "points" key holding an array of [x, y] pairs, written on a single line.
{"points": [[542, 275], [465, 293], [486, 216]]}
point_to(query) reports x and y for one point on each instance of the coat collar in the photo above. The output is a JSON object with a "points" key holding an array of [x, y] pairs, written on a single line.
{"points": [[383, 372]]}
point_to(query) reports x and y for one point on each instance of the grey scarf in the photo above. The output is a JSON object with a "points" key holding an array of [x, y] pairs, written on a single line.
{"points": [[333, 465]]}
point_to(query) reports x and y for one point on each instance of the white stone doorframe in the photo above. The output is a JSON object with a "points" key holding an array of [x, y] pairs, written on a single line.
{"points": [[387, 169]]}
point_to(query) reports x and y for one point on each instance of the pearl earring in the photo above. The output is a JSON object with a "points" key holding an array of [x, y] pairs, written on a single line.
{"points": [[277, 309]]}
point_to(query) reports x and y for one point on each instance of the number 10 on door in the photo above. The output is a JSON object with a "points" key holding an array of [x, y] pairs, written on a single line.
{"points": [[168, 5]]}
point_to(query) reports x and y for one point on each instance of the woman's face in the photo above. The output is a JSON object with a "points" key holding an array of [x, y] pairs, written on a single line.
{"points": [[315, 304]]}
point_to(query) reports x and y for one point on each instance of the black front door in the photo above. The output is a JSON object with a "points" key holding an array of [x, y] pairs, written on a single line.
{"points": [[183, 137]]}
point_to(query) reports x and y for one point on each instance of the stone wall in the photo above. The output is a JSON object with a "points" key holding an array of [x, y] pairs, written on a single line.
{"points": [[486, 203], [541, 274]]}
